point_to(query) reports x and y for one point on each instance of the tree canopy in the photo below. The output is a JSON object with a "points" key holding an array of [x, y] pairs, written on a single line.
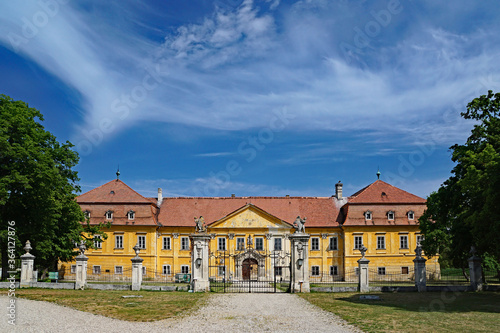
{"points": [[465, 211], [37, 187]]}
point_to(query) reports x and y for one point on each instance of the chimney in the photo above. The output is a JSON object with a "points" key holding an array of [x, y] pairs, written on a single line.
{"points": [[160, 197], [338, 190]]}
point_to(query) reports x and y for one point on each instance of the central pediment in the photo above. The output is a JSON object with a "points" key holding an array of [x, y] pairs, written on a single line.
{"points": [[250, 216]]}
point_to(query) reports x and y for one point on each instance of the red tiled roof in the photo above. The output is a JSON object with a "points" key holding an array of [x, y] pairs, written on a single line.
{"points": [[114, 191], [383, 193], [320, 212]]}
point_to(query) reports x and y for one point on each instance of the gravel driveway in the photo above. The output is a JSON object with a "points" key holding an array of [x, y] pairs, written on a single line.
{"points": [[222, 313]]}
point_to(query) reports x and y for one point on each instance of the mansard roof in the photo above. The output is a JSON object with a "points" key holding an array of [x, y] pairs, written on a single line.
{"points": [[381, 192], [319, 211], [114, 191]]}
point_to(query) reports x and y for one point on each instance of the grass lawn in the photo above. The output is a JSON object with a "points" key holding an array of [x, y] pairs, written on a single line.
{"points": [[415, 312], [153, 305]]}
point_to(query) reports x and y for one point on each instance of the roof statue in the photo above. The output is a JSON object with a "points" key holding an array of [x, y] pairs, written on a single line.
{"points": [[299, 224], [200, 224]]}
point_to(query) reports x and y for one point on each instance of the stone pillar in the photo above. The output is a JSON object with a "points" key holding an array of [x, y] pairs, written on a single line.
{"points": [[420, 271], [81, 268], [476, 274], [136, 269], [199, 262], [27, 263], [363, 281], [299, 263]]}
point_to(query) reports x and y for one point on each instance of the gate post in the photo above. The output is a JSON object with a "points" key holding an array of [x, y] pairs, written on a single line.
{"points": [[136, 269], [299, 263], [363, 280], [199, 262], [81, 268], [420, 273], [476, 275], [27, 262]]}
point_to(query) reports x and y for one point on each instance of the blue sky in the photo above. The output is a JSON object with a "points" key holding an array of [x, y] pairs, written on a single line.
{"points": [[262, 97]]}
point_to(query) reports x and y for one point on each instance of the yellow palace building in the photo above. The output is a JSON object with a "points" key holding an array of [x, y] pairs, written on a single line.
{"points": [[250, 235]]}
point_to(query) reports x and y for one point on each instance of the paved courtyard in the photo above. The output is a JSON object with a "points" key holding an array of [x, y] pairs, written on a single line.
{"points": [[222, 313]]}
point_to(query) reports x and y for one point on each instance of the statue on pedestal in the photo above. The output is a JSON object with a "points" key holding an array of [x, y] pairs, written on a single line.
{"points": [[299, 224], [200, 224]]}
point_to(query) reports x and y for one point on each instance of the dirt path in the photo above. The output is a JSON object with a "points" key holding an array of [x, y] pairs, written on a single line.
{"points": [[222, 313]]}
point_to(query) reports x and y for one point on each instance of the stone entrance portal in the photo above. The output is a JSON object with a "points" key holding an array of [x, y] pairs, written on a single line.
{"points": [[250, 269]]}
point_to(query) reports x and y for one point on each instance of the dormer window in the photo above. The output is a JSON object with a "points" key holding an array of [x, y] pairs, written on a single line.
{"points": [[87, 214], [131, 215], [411, 215], [368, 215], [109, 215], [390, 215]]}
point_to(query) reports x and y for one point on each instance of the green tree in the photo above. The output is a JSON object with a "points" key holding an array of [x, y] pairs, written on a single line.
{"points": [[37, 188], [465, 211]]}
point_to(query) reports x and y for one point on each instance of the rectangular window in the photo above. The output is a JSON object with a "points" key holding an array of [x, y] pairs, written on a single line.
{"points": [[96, 269], [109, 215], [222, 244], [166, 243], [184, 243], [119, 242], [380, 242], [98, 242], [390, 215], [334, 244], [358, 241], [315, 244], [411, 215], [166, 269], [404, 270], [381, 271], [277, 244], [334, 270], [73, 269], [403, 241], [278, 270], [315, 270], [222, 270], [259, 244], [118, 269], [131, 215], [184, 269], [141, 241], [420, 238], [240, 243]]}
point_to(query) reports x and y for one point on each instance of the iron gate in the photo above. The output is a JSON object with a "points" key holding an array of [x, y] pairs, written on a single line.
{"points": [[249, 271]]}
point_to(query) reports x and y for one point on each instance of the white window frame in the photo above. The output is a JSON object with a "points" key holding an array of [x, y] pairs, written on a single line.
{"points": [[167, 270], [118, 241], [98, 241], [221, 244], [277, 240], [358, 244], [118, 269], [131, 215], [380, 242], [368, 215], [184, 269], [333, 245], [381, 271], [240, 243], [411, 215], [259, 247], [334, 270], [166, 243], [315, 270], [315, 244], [278, 270], [96, 269], [109, 215], [141, 241], [403, 242], [72, 269], [87, 214], [184, 243], [391, 215]]}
